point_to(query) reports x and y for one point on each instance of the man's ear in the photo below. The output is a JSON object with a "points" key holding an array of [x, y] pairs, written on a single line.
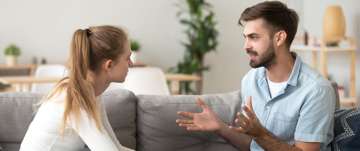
{"points": [[280, 38], [109, 64]]}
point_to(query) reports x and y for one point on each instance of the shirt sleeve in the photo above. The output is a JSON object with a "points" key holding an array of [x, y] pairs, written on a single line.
{"points": [[243, 102], [316, 116], [93, 138], [244, 88]]}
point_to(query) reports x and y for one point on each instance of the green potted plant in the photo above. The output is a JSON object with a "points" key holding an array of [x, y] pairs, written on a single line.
{"points": [[135, 48], [201, 39], [11, 52]]}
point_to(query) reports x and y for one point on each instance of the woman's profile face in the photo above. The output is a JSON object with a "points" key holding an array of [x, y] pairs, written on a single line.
{"points": [[121, 68]]}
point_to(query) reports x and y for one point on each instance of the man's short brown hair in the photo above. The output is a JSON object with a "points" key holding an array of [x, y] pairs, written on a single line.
{"points": [[277, 16]]}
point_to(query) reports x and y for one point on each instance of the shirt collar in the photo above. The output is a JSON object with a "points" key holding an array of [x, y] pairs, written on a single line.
{"points": [[294, 73], [296, 70]]}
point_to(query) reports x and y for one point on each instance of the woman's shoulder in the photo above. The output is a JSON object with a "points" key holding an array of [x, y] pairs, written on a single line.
{"points": [[54, 103], [56, 96]]}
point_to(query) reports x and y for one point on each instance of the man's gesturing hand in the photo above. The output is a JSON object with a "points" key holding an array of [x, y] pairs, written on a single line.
{"points": [[250, 125], [204, 121]]}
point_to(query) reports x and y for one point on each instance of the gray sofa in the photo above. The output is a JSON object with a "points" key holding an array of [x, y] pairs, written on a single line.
{"points": [[142, 122]]}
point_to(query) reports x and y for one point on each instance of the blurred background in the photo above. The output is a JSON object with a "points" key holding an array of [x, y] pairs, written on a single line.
{"points": [[43, 30]]}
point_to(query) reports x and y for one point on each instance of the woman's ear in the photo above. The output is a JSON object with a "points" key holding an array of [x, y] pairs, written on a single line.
{"points": [[280, 37], [109, 64]]}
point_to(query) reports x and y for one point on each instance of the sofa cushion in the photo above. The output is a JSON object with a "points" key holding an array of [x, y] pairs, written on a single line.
{"points": [[346, 130], [157, 129], [337, 100], [120, 106], [16, 114]]}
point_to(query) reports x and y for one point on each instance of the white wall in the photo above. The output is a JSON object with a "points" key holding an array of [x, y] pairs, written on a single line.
{"points": [[43, 28], [230, 62]]}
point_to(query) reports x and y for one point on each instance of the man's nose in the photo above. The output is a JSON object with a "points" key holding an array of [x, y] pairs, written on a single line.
{"points": [[247, 45]]}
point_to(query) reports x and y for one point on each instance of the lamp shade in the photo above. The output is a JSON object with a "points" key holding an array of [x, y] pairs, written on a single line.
{"points": [[334, 25]]}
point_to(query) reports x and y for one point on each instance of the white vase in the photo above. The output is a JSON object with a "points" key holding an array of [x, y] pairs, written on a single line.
{"points": [[133, 56], [11, 60]]}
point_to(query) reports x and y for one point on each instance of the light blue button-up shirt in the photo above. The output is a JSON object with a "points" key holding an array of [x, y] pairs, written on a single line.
{"points": [[302, 111]]}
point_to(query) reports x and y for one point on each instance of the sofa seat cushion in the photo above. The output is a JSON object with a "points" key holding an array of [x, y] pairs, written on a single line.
{"points": [[16, 114], [157, 128], [346, 130]]}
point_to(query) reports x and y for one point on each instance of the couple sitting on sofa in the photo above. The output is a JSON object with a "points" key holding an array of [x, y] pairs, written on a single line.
{"points": [[289, 105]]}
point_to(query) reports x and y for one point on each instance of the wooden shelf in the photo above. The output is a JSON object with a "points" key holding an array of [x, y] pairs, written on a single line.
{"points": [[140, 64], [348, 101], [20, 66], [21, 82], [341, 49], [30, 67], [324, 50], [181, 77]]}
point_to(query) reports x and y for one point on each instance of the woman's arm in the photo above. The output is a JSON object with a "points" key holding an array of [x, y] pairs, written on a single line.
{"points": [[91, 135]]}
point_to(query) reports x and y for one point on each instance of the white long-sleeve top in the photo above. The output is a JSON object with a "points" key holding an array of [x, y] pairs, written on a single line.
{"points": [[45, 133]]}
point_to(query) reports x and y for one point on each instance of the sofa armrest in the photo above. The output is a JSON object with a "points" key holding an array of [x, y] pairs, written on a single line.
{"points": [[337, 100]]}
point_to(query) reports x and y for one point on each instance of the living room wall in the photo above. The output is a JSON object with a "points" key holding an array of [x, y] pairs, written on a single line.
{"points": [[43, 29]]}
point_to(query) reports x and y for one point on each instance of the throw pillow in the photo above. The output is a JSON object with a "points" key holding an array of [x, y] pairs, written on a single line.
{"points": [[346, 130]]}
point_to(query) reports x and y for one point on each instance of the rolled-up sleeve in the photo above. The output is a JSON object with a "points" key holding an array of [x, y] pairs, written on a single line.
{"points": [[316, 118]]}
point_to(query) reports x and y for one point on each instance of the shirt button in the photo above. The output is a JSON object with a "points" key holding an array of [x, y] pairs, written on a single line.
{"points": [[267, 107]]}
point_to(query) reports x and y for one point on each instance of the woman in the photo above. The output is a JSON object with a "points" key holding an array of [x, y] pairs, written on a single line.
{"points": [[72, 113]]}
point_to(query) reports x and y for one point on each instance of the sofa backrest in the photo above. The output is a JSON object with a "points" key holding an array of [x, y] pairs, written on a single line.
{"points": [[337, 99], [16, 114], [144, 122], [157, 129], [120, 106]]}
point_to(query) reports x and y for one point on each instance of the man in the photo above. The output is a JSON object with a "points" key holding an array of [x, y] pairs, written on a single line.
{"points": [[290, 106]]}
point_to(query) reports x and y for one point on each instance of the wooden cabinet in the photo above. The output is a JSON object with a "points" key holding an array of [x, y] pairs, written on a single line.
{"points": [[30, 67]]}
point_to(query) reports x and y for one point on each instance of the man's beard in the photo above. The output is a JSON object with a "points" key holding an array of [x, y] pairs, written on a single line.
{"points": [[265, 60]]}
